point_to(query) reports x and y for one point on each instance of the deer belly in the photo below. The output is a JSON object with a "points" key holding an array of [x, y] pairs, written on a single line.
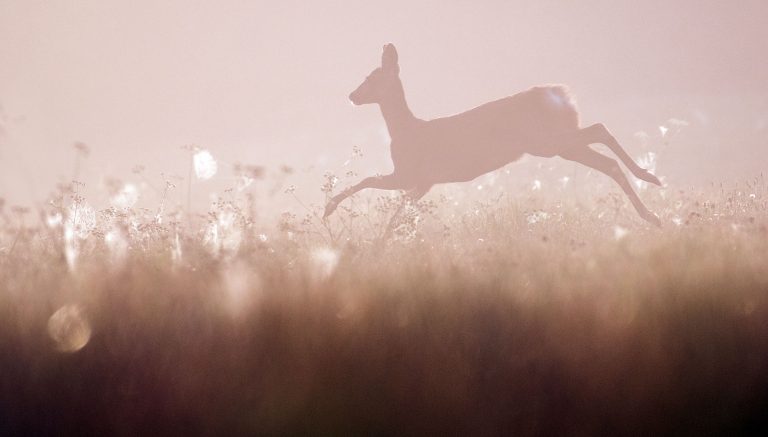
{"points": [[468, 166]]}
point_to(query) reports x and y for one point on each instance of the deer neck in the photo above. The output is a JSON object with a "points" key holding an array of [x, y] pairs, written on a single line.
{"points": [[397, 115]]}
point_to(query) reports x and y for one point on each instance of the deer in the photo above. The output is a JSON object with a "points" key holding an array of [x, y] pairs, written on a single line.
{"points": [[541, 121]]}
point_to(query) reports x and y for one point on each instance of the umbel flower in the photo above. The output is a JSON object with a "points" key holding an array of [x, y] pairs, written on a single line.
{"points": [[205, 165]]}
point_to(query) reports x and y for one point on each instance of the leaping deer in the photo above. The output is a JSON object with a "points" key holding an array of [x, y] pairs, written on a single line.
{"points": [[542, 121]]}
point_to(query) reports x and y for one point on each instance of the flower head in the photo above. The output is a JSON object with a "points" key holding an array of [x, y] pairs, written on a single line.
{"points": [[205, 165]]}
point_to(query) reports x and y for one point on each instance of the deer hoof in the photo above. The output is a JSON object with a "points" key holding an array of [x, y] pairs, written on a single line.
{"points": [[648, 177], [652, 218], [329, 208]]}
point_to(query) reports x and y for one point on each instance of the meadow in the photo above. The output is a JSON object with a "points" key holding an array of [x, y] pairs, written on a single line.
{"points": [[497, 307]]}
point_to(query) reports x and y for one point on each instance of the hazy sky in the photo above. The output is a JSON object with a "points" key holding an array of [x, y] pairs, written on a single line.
{"points": [[267, 82]]}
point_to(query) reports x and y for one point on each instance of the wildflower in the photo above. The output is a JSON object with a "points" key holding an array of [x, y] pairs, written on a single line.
{"points": [[223, 233], [244, 182], [53, 220], [536, 217], [247, 174], [619, 232], [330, 183], [81, 148], [81, 219], [230, 229], [126, 197], [204, 164], [536, 185]]}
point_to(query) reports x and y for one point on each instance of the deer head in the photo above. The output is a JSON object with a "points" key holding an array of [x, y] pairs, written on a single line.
{"points": [[382, 82]]}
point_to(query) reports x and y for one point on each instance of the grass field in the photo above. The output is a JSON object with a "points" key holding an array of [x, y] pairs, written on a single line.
{"points": [[519, 312]]}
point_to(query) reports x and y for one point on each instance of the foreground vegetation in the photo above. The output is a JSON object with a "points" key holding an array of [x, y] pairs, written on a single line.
{"points": [[517, 314]]}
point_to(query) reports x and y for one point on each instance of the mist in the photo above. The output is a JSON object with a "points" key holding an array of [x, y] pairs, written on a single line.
{"points": [[266, 83]]}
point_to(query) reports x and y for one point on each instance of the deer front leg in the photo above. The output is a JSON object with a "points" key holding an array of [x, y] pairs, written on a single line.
{"points": [[386, 182], [417, 193]]}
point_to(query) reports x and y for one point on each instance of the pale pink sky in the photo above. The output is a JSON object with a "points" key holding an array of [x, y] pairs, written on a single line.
{"points": [[267, 82]]}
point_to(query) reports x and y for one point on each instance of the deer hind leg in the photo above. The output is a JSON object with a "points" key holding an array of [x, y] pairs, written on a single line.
{"points": [[598, 133], [585, 155], [387, 182]]}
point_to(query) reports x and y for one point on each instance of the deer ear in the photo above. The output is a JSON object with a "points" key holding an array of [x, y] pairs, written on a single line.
{"points": [[389, 59]]}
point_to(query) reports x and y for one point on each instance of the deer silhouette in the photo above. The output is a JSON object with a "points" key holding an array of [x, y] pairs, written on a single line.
{"points": [[542, 121]]}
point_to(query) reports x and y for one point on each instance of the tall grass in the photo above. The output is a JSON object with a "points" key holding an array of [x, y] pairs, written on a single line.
{"points": [[524, 313]]}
